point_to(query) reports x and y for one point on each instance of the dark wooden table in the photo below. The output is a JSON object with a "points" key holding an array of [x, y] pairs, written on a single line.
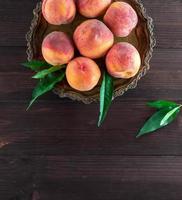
{"points": [[56, 152]]}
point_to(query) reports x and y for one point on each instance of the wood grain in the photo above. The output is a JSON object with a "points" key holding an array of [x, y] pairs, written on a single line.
{"points": [[88, 177], [55, 151]]}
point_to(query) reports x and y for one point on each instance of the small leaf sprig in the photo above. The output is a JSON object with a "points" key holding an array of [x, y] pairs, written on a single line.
{"points": [[166, 113], [48, 76], [48, 79]]}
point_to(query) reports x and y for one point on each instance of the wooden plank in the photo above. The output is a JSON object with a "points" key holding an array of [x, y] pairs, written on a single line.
{"points": [[166, 14], [112, 178], [17, 177], [70, 128], [134, 168], [106, 190], [91, 177]]}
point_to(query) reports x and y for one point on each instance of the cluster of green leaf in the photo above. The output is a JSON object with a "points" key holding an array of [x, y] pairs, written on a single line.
{"points": [[48, 79], [166, 113], [48, 76]]}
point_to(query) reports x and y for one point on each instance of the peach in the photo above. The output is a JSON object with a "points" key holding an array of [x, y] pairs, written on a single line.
{"points": [[93, 39], [123, 60], [82, 74], [59, 12], [121, 18], [92, 8], [57, 48]]}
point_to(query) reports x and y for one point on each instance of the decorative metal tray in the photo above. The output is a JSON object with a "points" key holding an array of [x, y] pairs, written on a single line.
{"points": [[142, 38]]}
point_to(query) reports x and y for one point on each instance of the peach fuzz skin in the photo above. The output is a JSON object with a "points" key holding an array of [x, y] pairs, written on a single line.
{"points": [[59, 12], [93, 39], [123, 61], [82, 74], [92, 8], [121, 18], [57, 48]]}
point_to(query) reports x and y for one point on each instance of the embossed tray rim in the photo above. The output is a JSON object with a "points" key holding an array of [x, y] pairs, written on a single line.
{"points": [[118, 92]]}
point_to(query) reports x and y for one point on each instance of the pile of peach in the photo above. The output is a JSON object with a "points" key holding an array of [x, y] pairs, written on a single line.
{"points": [[93, 39]]}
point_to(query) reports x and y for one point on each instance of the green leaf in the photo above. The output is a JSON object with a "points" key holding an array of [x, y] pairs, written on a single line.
{"points": [[162, 104], [36, 65], [106, 94], [158, 120], [45, 72], [169, 114], [46, 85]]}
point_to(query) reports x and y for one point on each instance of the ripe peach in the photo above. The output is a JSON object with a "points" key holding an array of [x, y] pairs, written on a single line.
{"points": [[121, 18], [93, 39], [123, 60], [82, 74], [92, 8], [57, 48], [59, 12]]}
